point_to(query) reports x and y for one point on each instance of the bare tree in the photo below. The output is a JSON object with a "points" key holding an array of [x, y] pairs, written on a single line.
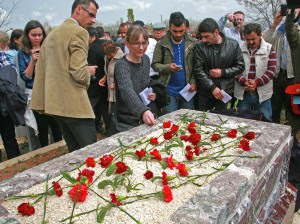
{"points": [[261, 11], [6, 11]]}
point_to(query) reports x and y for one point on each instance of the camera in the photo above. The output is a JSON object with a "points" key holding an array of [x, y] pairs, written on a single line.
{"points": [[235, 23], [283, 10], [293, 4]]}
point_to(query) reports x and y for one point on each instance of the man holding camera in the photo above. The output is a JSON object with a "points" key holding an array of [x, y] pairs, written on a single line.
{"points": [[284, 75], [293, 37], [237, 20], [173, 59]]}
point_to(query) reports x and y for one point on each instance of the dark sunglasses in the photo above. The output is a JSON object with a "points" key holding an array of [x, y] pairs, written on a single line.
{"points": [[92, 15]]}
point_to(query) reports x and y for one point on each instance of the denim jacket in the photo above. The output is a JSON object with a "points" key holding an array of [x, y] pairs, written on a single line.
{"points": [[24, 60]]}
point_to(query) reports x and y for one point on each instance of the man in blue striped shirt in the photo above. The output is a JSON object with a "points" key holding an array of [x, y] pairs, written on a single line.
{"points": [[237, 20]]}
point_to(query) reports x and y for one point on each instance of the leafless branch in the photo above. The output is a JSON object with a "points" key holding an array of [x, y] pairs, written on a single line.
{"points": [[261, 11], [5, 19]]}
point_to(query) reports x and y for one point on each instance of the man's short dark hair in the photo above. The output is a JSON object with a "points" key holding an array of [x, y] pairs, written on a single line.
{"points": [[123, 25], [208, 25], [177, 19], [187, 23], [100, 31], [92, 32], [239, 12], [83, 2], [252, 27]]}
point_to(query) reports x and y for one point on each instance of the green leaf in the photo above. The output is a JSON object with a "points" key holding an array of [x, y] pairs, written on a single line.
{"points": [[132, 154], [117, 181], [51, 192], [146, 157], [104, 183], [101, 215], [111, 169], [179, 142], [164, 164], [68, 177], [182, 132], [83, 179], [155, 178], [129, 171], [203, 143], [167, 149]]}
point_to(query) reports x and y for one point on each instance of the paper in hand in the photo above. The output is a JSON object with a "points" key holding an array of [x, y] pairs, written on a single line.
{"points": [[144, 95], [186, 94], [226, 97]]}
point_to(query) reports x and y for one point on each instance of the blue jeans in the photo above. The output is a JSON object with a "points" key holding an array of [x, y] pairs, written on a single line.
{"points": [[176, 103], [251, 101]]}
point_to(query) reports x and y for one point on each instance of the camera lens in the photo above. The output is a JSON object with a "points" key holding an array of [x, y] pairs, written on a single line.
{"points": [[235, 23]]}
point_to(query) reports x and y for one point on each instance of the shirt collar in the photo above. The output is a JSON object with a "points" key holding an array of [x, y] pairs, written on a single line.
{"points": [[74, 21]]}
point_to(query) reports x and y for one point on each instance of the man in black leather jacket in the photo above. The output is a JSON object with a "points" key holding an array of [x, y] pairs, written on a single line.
{"points": [[217, 60]]}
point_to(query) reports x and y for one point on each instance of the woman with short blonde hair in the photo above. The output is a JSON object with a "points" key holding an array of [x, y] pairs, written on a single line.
{"points": [[131, 78]]}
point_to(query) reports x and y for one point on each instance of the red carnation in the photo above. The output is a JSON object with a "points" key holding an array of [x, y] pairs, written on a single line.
{"points": [[192, 130], [215, 137], [167, 192], [232, 133], [195, 138], [250, 135], [57, 188], [168, 135], [197, 150], [185, 138], [189, 155], [192, 124], [170, 162], [87, 173], [182, 169], [164, 178], [244, 144], [114, 199], [90, 162], [121, 167], [140, 153], [26, 209], [106, 160], [156, 155], [204, 148], [167, 124], [80, 192], [188, 148], [154, 141], [148, 175], [174, 128]]}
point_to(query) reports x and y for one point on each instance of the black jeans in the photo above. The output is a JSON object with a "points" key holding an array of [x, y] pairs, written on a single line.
{"points": [[279, 96], [99, 104], [77, 132], [7, 131], [43, 122], [206, 103]]}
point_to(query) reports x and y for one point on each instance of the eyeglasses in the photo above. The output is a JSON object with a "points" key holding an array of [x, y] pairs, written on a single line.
{"points": [[92, 15], [143, 44]]}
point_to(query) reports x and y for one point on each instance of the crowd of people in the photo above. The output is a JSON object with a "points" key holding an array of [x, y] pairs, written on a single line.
{"points": [[78, 77]]}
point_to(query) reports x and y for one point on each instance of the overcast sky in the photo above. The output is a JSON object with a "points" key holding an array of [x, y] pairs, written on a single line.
{"points": [[55, 11]]}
